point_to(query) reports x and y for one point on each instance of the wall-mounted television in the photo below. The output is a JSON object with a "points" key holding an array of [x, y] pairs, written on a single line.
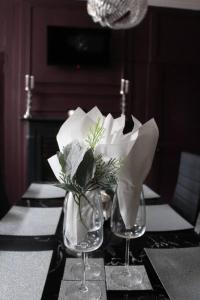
{"points": [[78, 46]]}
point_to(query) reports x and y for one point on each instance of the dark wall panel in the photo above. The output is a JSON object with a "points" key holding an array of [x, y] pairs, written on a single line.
{"points": [[65, 86]]}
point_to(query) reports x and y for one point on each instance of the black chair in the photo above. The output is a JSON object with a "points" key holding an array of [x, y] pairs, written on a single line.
{"points": [[182, 212], [186, 198]]}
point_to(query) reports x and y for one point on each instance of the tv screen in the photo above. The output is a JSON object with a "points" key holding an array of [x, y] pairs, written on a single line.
{"points": [[78, 46]]}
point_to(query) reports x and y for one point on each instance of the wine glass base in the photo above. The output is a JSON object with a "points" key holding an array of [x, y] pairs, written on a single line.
{"points": [[75, 292], [126, 277], [93, 270]]}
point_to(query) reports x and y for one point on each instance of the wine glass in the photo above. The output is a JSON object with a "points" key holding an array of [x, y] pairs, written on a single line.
{"points": [[93, 269], [83, 233], [126, 277]]}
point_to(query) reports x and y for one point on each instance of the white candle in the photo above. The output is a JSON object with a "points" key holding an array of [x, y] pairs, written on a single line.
{"points": [[126, 89], [122, 86], [70, 112], [27, 82], [32, 82]]}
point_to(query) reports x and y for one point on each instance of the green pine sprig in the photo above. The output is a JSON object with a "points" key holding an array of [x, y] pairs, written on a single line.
{"points": [[106, 173], [95, 134]]}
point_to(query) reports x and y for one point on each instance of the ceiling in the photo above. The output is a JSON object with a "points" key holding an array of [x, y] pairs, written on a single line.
{"points": [[184, 4]]}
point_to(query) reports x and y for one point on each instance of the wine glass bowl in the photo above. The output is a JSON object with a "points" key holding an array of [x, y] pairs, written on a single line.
{"points": [[82, 227], [93, 268], [118, 227]]}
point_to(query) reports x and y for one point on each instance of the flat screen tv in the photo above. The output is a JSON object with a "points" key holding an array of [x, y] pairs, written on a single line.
{"points": [[78, 46]]}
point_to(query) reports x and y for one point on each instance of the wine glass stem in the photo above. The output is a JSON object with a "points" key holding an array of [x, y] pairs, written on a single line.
{"points": [[83, 285], [87, 261], [127, 255]]}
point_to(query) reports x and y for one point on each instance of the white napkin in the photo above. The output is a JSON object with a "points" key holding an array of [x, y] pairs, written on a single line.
{"points": [[76, 227], [135, 168], [74, 230], [77, 127]]}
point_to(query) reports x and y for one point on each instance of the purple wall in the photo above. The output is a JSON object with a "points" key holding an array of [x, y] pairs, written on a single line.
{"points": [[160, 57]]}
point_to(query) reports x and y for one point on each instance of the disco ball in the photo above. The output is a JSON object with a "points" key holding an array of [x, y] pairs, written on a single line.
{"points": [[117, 14]]}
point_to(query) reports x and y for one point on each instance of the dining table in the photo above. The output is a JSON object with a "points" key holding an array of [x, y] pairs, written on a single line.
{"points": [[111, 254]]}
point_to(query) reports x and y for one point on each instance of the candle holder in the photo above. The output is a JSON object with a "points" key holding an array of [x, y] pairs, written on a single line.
{"points": [[29, 86]]}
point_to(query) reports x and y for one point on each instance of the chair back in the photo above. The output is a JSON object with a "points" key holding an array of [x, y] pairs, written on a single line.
{"points": [[186, 198]]}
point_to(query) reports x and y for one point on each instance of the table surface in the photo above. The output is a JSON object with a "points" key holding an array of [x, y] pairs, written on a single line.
{"points": [[112, 251]]}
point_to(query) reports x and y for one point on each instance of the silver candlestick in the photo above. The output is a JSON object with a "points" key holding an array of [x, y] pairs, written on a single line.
{"points": [[29, 86]]}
